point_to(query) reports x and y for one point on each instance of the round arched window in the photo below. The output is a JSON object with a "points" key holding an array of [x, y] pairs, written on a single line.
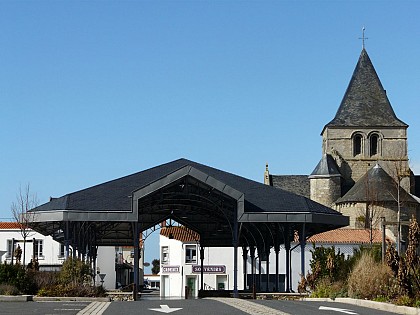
{"points": [[357, 144]]}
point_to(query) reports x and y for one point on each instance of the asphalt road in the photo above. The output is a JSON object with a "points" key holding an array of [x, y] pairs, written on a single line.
{"points": [[306, 308], [44, 308], [182, 307]]}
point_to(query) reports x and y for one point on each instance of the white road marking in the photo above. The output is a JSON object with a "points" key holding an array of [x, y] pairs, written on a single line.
{"points": [[94, 308], [336, 309], [165, 309]]}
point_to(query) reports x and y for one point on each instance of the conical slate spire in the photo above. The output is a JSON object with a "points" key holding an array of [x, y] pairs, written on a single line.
{"points": [[327, 167], [365, 103], [375, 186]]}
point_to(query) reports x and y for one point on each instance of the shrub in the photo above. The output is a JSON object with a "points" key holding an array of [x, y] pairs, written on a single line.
{"points": [[375, 250], [8, 289], [327, 289], [44, 279], [404, 300], [75, 271], [323, 289], [370, 279], [15, 275], [72, 290], [325, 263], [74, 279]]}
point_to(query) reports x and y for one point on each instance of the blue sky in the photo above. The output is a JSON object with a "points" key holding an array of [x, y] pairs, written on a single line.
{"points": [[94, 90]]}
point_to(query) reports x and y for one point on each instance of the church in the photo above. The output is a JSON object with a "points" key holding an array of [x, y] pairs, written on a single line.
{"points": [[364, 171]]}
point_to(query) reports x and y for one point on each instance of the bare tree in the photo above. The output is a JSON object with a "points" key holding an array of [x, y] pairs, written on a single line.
{"points": [[373, 210], [25, 201], [400, 170]]}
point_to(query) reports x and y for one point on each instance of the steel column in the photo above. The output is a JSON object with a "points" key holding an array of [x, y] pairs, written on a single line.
{"points": [[287, 248], [136, 244], [267, 267], [252, 255], [202, 266], [235, 256], [302, 239], [277, 251], [245, 257]]}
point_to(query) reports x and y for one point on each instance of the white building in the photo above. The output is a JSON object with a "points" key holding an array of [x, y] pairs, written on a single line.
{"points": [[181, 266], [152, 281], [50, 255], [180, 261]]}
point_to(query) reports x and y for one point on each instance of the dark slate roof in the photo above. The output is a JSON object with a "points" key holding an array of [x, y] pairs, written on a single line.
{"points": [[375, 185], [296, 184], [417, 185], [114, 195], [327, 167], [365, 102]]}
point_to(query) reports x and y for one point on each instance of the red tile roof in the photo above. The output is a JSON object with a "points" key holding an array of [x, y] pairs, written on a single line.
{"points": [[347, 236], [180, 233], [338, 236], [9, 225]]}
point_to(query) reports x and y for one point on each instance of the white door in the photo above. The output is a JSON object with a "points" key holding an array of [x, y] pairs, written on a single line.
{"points": [[165, 287]]}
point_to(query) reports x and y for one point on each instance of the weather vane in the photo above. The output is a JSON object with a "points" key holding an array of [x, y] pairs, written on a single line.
{"points": [[363, 37]]}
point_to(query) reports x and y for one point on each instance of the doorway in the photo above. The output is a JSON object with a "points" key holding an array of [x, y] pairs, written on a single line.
{"points": [[165, 287], [192, 285]]}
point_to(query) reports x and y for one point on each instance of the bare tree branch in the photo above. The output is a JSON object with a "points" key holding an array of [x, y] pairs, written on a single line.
{"points": [[25, 201]]}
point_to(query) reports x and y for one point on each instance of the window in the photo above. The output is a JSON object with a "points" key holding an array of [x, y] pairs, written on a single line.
{"points": [[374, 144], [62, 252], [38, 248], [190, 254], [165, 255], [357, 145]]}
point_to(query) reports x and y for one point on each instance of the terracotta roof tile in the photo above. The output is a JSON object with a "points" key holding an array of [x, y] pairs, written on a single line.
{"points": [[180, 233], [338, 236], [347, 236], [9, 225]]}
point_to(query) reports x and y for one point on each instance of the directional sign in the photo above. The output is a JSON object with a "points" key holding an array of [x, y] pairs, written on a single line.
{"points": [[335, 309], [166, 309]]}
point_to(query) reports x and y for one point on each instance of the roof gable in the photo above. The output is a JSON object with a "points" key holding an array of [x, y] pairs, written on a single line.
{"points": [[115, 195], [365, 103]]}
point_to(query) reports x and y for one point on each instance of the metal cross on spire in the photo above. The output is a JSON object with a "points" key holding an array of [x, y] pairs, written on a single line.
{"points": [[363, 37]]}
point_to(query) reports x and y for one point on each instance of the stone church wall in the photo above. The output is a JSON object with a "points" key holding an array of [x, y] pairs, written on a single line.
{"points": [[390, 211], [325, 190], [392, 155]]}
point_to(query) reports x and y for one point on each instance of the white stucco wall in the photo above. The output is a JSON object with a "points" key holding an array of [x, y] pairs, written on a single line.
{"points": [[173, 282], [50, 248], [106, 265], [51, 259]]}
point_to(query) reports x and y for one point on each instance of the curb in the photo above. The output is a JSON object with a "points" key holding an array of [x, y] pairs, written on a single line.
{"points": [[31, 298], [388, 307], [70, 298], [16, 298]]}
